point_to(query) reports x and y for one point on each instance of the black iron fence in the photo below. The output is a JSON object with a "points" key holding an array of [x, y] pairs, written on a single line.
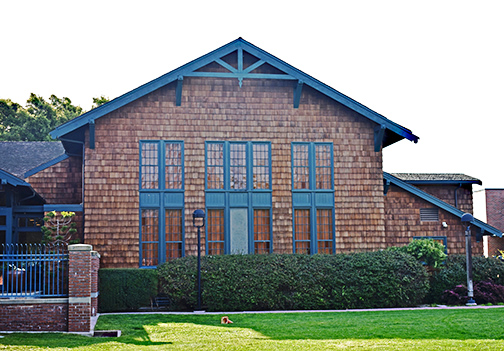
{"points": [[33, 270]]}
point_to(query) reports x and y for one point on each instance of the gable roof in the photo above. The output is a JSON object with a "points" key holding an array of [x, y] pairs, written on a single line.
{"points": [[388, 132], [485, 228], [7, 178], [436, 178], [21, 157], [23, 188]]}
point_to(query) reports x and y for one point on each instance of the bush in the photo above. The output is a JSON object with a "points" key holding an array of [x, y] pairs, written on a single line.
{"points": [[126, 289], [484, 292], [454, 273], [287, 282], [427, 251]]}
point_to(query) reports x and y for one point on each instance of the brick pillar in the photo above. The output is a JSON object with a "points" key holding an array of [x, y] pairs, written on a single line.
{"points": [[79, 288]]}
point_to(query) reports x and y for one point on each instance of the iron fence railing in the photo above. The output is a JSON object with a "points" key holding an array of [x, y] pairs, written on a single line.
{"points": [[33, 270]]}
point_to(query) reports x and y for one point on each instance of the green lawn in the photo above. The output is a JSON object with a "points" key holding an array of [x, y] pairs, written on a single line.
{"points": [[446, 329]]}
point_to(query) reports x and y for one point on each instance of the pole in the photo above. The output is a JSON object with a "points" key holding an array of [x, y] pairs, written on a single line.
{"points": [[470, 290], [199, 269]]}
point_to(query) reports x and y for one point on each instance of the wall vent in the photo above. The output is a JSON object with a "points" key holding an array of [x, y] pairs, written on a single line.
{"points": [[429, 215]]}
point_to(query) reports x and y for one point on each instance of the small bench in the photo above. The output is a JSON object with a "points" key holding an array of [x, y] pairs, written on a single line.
{"points": [[160, 302]]}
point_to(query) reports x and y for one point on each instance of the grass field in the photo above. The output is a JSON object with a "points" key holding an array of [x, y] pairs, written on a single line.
{"points": [[436, 329]]}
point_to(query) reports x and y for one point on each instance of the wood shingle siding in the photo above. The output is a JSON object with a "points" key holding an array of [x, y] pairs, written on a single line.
{"points": [[402, 218], [218, 109]]}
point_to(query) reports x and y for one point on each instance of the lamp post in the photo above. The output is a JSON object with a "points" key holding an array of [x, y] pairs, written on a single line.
{"points": [[199, 222], [467, 218]]}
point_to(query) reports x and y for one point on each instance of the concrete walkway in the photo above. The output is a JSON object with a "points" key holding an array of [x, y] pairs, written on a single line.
{"points": [[439, 307]]}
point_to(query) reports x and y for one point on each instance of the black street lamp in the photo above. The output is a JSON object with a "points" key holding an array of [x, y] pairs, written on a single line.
{"points": [[199, 222], [467, 218]]}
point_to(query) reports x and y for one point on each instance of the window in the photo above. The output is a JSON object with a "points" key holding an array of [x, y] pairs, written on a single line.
{"points": [[429, 215], [238, 197], [161, 201], [313, 198]]}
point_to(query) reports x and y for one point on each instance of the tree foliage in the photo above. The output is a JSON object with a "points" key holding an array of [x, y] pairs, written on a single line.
{"points": [[34, 121]]}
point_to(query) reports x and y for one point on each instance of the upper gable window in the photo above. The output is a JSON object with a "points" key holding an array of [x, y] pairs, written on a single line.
{"points": [[312, 166], [161, 160], [238, 166]]}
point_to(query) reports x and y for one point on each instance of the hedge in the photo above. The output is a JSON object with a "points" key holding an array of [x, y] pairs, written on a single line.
{"points": [[126, 289], [453, 273], [291, 282]]}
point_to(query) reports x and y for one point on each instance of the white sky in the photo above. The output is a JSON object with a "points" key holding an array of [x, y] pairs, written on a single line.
{"points": [[435, 67]]}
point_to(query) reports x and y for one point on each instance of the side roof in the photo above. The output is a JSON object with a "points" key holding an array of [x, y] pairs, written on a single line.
{"points": [[388, 131], [436, 178], [24, 188], [485, 228], [21, 157]]}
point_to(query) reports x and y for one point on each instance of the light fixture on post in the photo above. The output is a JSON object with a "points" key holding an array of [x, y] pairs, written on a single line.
{"points": [[199, 222], [466, 219]]}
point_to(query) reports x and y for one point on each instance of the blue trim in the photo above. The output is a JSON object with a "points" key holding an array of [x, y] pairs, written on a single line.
{"points": [[434, 182], [46, 165], [439, 203], [92, 134], [239, 45], [7, 178], [63, 207]]}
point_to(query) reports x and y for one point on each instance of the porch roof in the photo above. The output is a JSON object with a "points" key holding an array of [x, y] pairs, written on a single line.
{"points": [[21, 158], [437, 178], [485, 228]]}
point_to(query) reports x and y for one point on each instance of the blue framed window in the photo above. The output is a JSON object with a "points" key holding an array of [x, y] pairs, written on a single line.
{"points": [[313, 198], [161, 184], [238, 197]]}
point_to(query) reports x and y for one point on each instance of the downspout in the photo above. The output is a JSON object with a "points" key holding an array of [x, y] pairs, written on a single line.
{"points": [[82, 178], [28, 197], [456, 194]]}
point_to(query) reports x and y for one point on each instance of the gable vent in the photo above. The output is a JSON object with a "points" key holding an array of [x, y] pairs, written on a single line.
{"points": [[429, 214]]}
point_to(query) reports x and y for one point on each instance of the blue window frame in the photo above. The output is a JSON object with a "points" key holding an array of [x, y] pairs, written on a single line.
{"points": [[238, 197], [313, 197], [161, 184]]}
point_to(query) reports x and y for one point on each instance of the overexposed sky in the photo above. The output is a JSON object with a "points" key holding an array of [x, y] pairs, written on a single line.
{"points": [[435, 67]]}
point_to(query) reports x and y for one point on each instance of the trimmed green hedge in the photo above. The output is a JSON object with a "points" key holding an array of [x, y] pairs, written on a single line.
{"points": [[290, 282], [126, 289], [453, 273]]}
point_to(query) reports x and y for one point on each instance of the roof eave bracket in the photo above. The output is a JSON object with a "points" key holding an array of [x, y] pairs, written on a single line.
{"points": [[297, 93], [178, 91], [379, 134], [92, 134]]}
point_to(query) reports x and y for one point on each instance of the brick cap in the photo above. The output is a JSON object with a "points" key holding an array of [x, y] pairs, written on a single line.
{"points": [[80, 247]]}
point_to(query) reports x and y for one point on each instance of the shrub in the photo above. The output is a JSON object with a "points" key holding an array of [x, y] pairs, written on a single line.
{"points": [[126, 289], [285, 282], [427, 251], [454, 273], [484, 292]]}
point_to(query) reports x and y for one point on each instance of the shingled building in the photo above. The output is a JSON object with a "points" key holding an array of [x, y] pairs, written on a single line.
{"points": [[280, 162]]}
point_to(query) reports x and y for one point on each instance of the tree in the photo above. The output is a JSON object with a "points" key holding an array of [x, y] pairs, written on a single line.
{"points": [[38, 118], [100, 101], [58, 228]]}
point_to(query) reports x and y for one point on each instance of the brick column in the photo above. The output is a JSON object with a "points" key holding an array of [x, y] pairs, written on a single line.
{"points": [[79, 288]]}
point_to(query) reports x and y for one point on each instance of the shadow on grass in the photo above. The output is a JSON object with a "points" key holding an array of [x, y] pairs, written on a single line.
{"points": [[157, 329]]}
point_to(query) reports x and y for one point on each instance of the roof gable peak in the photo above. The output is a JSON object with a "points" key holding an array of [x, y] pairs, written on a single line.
{"points": [[241, 60]]}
